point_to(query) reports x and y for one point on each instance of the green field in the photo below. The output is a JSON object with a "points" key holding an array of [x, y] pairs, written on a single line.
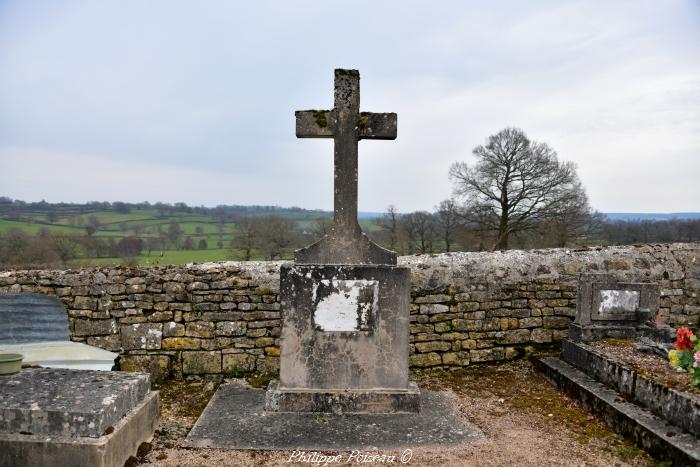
{"points": [[152, 226]]}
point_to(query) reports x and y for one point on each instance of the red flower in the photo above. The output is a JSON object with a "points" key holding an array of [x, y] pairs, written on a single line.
{"points": [[683, 339]]}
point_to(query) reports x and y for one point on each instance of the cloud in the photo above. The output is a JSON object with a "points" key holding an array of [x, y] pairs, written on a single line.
{"points": [[203, 96]]}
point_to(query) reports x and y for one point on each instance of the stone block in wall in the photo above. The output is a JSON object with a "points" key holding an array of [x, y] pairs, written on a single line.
{"points": [[467, 325], [455, 358], [237, 363], [94, 327], [425, 359], [433, 346], [468, 344], [259, 332], [432, 299], [487, 355], [84, 303], [160, 316], [111, 342], [145, 336], [443, 317], [262, 342], [533, 322], [202, 362], [230, 328], [429, 309], [268, 365], [515, 336], [444, 326], [556, 322], [181, 343], [541, 336], [173, 329], [157, 365], [200, 329]]}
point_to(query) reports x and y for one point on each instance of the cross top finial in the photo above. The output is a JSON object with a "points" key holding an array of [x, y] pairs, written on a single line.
{"points": [[345, 243]]}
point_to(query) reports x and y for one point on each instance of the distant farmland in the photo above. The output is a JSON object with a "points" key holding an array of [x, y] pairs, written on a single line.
{"points": [[201, 234]]}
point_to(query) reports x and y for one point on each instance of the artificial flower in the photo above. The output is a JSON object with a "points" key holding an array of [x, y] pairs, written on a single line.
{"points": [[674, 356], [683, 342]]}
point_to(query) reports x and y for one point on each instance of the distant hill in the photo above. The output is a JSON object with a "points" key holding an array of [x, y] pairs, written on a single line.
{"points": [[650, 216]]}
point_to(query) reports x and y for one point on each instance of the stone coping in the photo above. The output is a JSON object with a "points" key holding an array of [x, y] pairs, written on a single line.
{"points": [[678, 407], [68, 403]]}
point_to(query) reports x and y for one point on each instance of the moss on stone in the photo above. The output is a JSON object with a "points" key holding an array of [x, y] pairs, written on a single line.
{"points": [[320, 117]]}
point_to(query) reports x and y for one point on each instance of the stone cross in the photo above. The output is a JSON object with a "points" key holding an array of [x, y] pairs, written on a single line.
{"points": [[345, 242]]}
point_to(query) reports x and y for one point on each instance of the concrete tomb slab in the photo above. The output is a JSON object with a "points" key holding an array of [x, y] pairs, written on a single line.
{"points": [[74, 417], [236, 418]]}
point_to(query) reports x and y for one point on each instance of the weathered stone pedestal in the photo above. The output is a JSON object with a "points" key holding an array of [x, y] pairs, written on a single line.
{"points": [[344, 343], [62, 417]]}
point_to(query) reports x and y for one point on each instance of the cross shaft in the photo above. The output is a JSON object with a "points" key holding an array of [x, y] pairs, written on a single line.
{"points": [[347, 126]]}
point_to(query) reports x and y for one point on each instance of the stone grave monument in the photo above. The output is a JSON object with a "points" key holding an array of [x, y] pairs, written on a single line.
{"points": [[345, 330], [606, 307], [345, 303]]}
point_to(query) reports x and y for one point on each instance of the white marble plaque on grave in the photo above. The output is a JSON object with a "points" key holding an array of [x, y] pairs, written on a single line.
{"points": [[616, 301], [346, 305]]}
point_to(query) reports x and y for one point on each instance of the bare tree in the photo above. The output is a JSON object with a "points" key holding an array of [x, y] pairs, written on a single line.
{"points": [[514, 185], [424, 228], [320, 227], [174, 233], [273, 235], [447, 221], [390, 223], [244, 238]]}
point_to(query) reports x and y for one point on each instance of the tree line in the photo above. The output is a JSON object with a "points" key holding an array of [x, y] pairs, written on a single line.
{"points": [[516, 194]]}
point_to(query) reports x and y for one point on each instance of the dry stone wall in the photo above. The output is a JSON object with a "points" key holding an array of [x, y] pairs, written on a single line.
{"points": [[224, 318]]}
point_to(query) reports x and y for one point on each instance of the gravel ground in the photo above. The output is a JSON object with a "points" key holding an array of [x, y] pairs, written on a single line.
{"points": [[650, 365], [526, 422]]}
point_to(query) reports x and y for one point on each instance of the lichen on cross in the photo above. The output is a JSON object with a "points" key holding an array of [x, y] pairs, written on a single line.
{"points": [[345, 242]]}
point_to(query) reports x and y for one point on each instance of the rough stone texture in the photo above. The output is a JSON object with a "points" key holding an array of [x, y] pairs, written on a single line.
{"points": [[660, 438], [110, 450], [235, 419], [678, 407], [60, 402], [369, 357], [344, 343], [469, 301]]}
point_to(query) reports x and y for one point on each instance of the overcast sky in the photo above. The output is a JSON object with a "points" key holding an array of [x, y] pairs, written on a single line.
{"points": [[194, 101]]}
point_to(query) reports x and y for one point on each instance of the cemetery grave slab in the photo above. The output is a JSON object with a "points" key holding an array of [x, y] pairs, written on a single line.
{"points": [[236, 419], [74, 417], [660, 438]]}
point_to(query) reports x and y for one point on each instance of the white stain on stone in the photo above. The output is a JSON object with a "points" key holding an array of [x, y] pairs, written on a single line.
{"points": [[618, 300], [342, 309]]}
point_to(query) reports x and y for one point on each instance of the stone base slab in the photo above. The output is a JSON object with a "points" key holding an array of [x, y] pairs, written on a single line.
{"points": [[357, 401], [236, 419], [110, 450]]}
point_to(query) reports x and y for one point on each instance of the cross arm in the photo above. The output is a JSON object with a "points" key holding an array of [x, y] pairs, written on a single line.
{"points": [[376, 125], [315, 123]]}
